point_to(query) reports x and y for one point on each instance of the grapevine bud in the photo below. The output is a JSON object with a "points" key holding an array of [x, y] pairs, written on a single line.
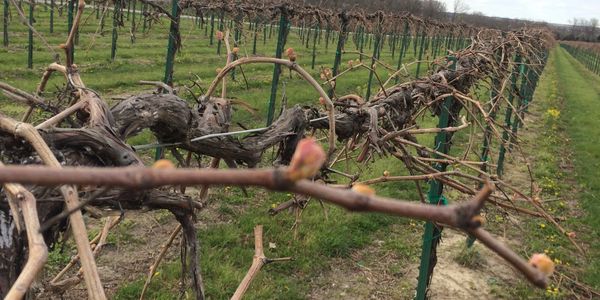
{"points": [[543, 263], [163, 164], [307, 160], [289, 51], [219, 35], [363, 189], [478, 220]]}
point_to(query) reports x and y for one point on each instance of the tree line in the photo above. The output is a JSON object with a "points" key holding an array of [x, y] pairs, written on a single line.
{"points": [[579, 29]]}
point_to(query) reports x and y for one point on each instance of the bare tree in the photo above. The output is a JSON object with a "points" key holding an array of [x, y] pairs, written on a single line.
{"points": [[459, 7], [411, 6], [593, 24], [433, 9]]}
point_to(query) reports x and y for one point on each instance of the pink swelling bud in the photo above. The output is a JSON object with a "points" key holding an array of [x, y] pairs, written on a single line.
{"points": [[307, 160], [363, 189], [543, 263]]}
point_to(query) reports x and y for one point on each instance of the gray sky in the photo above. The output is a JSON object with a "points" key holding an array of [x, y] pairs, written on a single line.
{"points": [[555, 11]]}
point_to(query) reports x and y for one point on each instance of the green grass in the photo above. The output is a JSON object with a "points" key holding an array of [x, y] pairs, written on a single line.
{"points": [[581, 90], [563, 134]]}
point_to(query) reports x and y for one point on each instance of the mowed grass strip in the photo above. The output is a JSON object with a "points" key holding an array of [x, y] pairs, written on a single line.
{"points": [[581, 89]]}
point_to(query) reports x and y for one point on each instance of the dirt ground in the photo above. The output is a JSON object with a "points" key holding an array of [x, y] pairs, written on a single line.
{"points": [[129, 256], [348, 279]]}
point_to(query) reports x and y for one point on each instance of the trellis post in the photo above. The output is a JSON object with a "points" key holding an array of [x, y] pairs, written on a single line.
{"points": [[432, 234], [71, 8], [524, 89], [508, 116], [221, 24], [361, 42], [145, 21], [212, 29], [314, 48], [133, 27], [339, 49], [403, 48], [171, 50], [376, 50], [422, 42], [52, 4], [281, 39], [30, 36], [327, 33], [115, 32], [5, 24], [255, 36]]}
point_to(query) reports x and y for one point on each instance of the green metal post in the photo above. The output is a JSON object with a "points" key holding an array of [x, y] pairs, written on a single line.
{"points": [[237, 35], [432, 234], [415, 40], [320, 35], [393, 44], [71, 8], [170, 59], [308, 32], [357, 36], [221, 24], [362, 43], [103, 21], [448, 42], [237, 30], [115, 31], [212, 29], [340, 47], [420, 54], [145, 22], [5, 24], [281, 39], [327, 33], [487, 136], [133, 21], [30, 35], [206, 26], [528, 95], [403, 48], [270, 30], [524, 90], [255, 37], [171, 46], [52, 4], [508, 116], [314, 49], [378, 37], [265, 34]]}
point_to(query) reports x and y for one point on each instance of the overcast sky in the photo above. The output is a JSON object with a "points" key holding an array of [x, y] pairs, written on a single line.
{"points": [[555, 11]]}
